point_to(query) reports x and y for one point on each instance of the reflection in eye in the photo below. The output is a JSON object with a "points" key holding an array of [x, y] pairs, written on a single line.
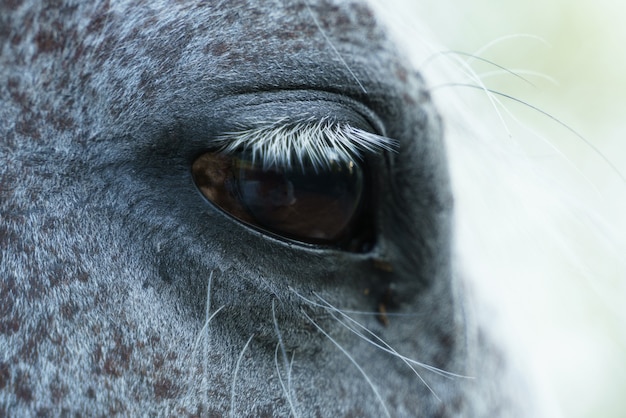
{"points": [[303, 203]]}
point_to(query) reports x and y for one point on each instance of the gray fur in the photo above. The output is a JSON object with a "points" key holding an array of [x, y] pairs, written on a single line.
{"points": [[107, 247]]}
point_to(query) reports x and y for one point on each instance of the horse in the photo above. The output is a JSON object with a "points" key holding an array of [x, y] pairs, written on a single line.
{"points": [[230, 209]]}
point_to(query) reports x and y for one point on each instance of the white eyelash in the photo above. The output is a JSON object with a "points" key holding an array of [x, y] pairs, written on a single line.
{"points": [[318, 143]]}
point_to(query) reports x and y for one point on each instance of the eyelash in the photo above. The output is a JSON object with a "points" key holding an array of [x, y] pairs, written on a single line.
{"points": [[319, 143]]}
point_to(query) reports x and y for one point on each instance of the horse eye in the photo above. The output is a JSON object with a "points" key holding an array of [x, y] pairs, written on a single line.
{"points": [[319, 205]]}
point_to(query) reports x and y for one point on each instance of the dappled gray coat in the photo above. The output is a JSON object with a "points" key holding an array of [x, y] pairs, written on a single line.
{"points": [[124, 290]]}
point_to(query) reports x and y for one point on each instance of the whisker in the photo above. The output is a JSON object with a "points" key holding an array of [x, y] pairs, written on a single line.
{"points": [[286, 390], [235, 372], [381, 344], [521, 72], [345, 64], [385, 346], [206, 326], [588, 143], [204, 333], [282, 382], [469, 72], [207, 315], [502, 39], [492, 63], [348, 311], [549, 143], [293, 356], [353, 361]]}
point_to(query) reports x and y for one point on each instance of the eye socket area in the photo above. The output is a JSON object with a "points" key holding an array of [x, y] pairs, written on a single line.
{"points": [[328, 205]]}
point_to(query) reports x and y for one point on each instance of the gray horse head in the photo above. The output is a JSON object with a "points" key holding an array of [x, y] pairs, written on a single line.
{"points": [[227, 208]]}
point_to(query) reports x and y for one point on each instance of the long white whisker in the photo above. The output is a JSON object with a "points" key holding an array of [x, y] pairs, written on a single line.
{"points": [[354, 362], [293, 355], [345, 64], [281, 381], [204, 333], [287, 390], [472, 75], [492, 63], [385, 346], [205, 357], [519, 71], [548, 143], [588, 143], [501, 39], [237, 365], [392, 352], [354, 312], [206, 326], [348, 311]]}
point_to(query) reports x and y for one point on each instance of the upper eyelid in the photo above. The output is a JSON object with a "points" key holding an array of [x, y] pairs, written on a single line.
{"points": [[317, 142]]}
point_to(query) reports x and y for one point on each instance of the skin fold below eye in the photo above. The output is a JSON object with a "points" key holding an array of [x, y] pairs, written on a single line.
{"points": [[307, 203]]}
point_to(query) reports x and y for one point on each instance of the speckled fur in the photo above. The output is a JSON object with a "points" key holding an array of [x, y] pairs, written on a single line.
{"points": [[107, 247]]}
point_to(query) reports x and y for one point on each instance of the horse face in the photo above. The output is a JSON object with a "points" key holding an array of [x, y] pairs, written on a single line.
{"points": [[127, 290]]}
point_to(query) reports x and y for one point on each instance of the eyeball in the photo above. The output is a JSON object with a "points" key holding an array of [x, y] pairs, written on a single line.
{"points": [[306, 202]]}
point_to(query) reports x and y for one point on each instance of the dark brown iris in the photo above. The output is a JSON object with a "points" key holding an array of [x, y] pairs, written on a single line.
{"points": [[301, 203]]}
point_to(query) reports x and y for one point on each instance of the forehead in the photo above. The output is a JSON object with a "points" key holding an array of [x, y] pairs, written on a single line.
{"points": [[242, 33], [211, 49]]}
